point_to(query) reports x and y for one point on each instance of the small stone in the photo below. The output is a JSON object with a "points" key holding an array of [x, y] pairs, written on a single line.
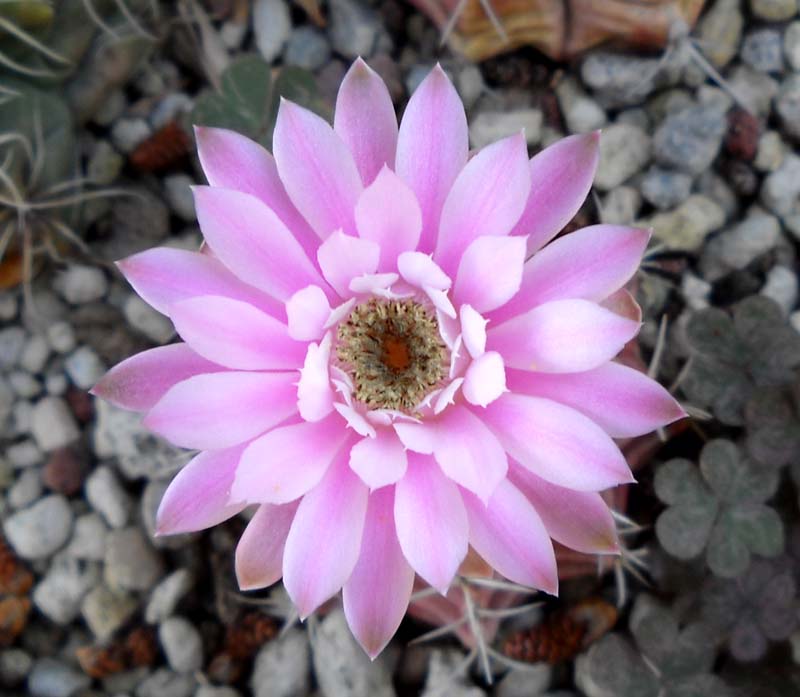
{"points": [[105, 164], [271, 26], [470, 85], [166, 596], [781, 286], [686, 227], [52, 678], [127, 133], [12, 341], [353, 29], [443, 678], [788, 105], [56, 384], [65, 471], [88, 538], [720, 30], [791, 45], [581, 113], [148, 321], [6, 401], [21, 417], [8, 306], [624, 150], [171, 108], [38, 531], [24, 384], [34, 355], [774, 10], [26, 489], [762, 50], [24, 454], [111, 109], [151, 499], [182, 644], [105, 611], [794, 320], [756, 90], [15, 665], [138, 222], [107, 496], [696, 291], [165, 683], [282, 668], [621, 206], [307, 48], [771, 151], [490, 126], [61, 337], [211, 691], [620, 79], [178, 190], [690, 139], [527, 682], [665, 188], [52, 424], [59, 594], [131, 562], [735, 247], [780, 191], [84, 367]]}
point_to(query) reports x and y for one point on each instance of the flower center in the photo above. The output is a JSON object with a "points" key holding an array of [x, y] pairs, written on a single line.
{"points": [[393, 352]]}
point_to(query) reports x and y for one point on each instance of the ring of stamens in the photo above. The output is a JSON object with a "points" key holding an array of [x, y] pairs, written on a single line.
{"points": [[393, 352]]}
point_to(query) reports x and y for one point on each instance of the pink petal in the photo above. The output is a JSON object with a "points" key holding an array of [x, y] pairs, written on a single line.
{"points": [[235, 334], [380, 460], [557, 443], [509, 534], [485, 379], [219, 410], [374, 284], [490, 272], [253, 242], [578, 519], [307, 311], [431, 522], [285, 463], [314, 392], [232, 161], [259, 554], [343, 258], [164, 276], [440, 301], [432, 148], [388, 214], [473, 330], [417, 437], [623, 401], [487, 198], [468, 452], [198, 497], [317, 169], [563, 336], [365, 120], [421, 271], [561, 177], [377, 593], [325, 538], [141, 380], [447, 395], [590, 263], [355, 420]]}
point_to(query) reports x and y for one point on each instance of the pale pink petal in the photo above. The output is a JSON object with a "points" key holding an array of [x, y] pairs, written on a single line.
{"points": [[380, 460], [307, 311], [509, 534], [164, 276], [557, 443], [259, 554], [459, 357], [563, 336], [232, 161], [325, 538], [418, 437], [219, 410], [388, 214], [314, 392], [343, 258], [365, 120], [473, 330], [421, 271], [339, 312], [468, 452], [490, 272], [141, 380], [355, 420], [485, 379], [317, 169], [432, 148], [198, 497], [578, 519], [440, 301], [447, 396], [487, 198], [431, 522], [623, 401], [377, 593], [236, 334], [285, 463], [590, 263], [561, 177], [253, 242], [374, 283]]}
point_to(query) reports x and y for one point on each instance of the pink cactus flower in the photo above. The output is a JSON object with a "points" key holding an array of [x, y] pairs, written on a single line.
{"points": [[384, 351]]}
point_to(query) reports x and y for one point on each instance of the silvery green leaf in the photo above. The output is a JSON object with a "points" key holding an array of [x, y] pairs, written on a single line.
{"points": [[654, 628], [747, 642], [758, 526], [683, 530], [693, 652], [719, 461], [679, 481], [727, 555], [612, 668], [698, 686], [755, 317], [774, 446], [711, 332]]}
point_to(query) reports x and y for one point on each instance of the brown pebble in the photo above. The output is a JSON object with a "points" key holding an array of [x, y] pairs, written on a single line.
{"points": [[65, 471], [741, 140]]}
